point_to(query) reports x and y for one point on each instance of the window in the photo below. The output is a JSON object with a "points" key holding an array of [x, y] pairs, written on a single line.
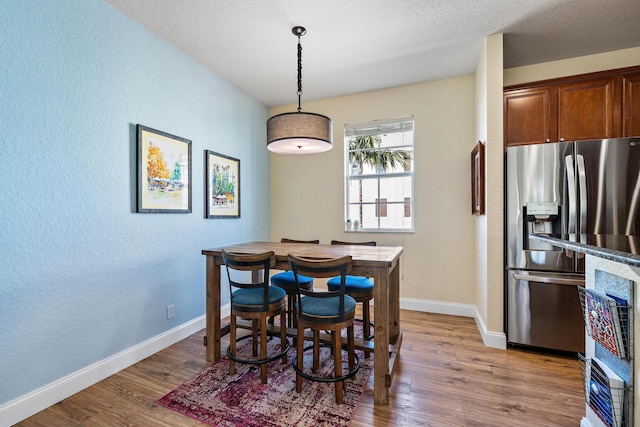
{"points": [[379, 174]]}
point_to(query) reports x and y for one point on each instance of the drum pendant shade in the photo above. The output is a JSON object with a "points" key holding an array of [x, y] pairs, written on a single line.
{"points": [[299, 133]]}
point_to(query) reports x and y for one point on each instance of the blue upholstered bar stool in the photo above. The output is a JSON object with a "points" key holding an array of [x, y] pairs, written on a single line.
{"points": [[361, 289], [329, 311], [286, 281], [254, 299]]}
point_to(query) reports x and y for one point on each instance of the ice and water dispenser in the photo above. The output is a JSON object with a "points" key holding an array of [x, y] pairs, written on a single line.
{"points": [[541, 218]]}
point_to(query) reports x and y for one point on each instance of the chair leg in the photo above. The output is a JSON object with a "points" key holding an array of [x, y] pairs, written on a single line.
{"points": [[263, 347], [254, 330], [232, 344], [290, 310], [316, 350], [294, 313], [366, 324], [351, 349], [366, 320], [300, 357], [337, 364], [283, 336]]}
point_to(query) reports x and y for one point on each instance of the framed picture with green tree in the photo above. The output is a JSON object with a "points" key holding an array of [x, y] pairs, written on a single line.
{"points": [[164, 172], [222, 186]]}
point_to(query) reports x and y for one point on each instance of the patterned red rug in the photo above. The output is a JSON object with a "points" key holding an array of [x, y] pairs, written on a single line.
{"points": [[215, 398]]}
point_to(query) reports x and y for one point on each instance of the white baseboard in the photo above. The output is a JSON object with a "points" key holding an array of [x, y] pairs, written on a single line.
{"points": [[29, 404], [464, 310], [490, 339]]}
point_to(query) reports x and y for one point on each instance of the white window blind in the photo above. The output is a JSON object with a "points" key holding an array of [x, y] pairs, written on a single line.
{"points": [[378, 127]]}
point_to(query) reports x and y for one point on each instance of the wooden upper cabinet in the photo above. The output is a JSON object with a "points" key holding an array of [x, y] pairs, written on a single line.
{"points": [[605, 104], [589, 110], [530, 116], [631, 105]]}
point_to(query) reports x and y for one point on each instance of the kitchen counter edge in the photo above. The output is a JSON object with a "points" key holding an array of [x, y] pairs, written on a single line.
{"points": [[570, 242]]}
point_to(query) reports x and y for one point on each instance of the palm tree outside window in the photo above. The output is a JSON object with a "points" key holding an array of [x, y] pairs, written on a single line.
{"points": [[379, 174]]}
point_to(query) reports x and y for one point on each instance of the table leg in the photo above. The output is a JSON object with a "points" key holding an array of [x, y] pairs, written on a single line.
{"points": [[213, 310], [394, 302], [381, 336]]}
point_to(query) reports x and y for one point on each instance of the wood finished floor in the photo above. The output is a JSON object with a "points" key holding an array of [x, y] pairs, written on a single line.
{"points": [[445, 377]]}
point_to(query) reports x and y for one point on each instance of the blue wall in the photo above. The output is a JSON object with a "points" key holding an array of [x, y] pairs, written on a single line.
{"points": [[83, 277]]}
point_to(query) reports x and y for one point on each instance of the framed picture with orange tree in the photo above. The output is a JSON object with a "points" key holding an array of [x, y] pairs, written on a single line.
{"points": [[164, 172]]}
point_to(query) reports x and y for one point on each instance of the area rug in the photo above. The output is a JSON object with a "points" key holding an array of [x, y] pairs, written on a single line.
{"points": [[218, 399]]}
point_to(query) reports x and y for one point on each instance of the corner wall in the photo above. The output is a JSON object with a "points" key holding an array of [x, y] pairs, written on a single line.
{"points": [[489, 294]]}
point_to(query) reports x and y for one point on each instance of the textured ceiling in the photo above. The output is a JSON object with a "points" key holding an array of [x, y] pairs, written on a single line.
{"points": [[353, 46]]}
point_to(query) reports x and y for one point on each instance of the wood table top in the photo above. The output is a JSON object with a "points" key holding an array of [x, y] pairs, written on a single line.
{"points": [[372, 256]]}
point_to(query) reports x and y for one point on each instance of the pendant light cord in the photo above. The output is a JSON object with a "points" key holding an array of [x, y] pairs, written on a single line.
{"points": [[299, 73]]}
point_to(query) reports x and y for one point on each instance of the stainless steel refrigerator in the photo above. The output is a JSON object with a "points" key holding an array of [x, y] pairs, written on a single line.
{"points": [[580, 188]]}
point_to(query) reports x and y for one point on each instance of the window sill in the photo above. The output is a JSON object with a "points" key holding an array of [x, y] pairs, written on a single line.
{"points": [[371, 230]]}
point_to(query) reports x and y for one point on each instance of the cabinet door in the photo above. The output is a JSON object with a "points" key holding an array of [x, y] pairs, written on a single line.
{"points": [[590, 110], [530, 116], [631, 105]]}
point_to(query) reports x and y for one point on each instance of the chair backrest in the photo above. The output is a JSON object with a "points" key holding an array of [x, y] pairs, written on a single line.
{"points": [[321, 268], [254, 263], [338, 242], [285, 240]]}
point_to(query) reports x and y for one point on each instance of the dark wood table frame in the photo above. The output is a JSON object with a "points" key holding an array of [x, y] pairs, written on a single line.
{"points": [[382, 263]]}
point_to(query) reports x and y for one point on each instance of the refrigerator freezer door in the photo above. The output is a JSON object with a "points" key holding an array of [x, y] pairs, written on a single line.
{"points": [[536, 175], [544, 310]]}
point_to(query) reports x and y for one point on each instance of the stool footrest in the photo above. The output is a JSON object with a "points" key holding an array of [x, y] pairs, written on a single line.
{"points": [[325, 379], [254, 361]]}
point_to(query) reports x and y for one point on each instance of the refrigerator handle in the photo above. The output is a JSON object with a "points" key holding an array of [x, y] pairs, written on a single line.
{"points": [[571, 188], [542, 278], [582, 186], [572, 198]]}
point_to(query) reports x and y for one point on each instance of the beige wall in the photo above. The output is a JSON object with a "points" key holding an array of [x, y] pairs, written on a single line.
{"points": [[307, 192], [569, 67], [488, 227], [495, 186], [481, 221]]}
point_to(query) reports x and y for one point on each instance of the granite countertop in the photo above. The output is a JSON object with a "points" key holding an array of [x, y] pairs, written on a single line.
{"points": [[614, 247]]}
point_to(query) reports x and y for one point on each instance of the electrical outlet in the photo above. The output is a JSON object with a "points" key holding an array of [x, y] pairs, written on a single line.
{"points": [[170, 312]]}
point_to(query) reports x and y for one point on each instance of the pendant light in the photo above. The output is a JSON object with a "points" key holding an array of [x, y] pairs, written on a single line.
{"points": [[299, 133]]}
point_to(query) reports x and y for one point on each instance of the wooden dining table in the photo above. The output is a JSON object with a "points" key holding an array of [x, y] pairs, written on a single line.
{"points": [[382, 263]]}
